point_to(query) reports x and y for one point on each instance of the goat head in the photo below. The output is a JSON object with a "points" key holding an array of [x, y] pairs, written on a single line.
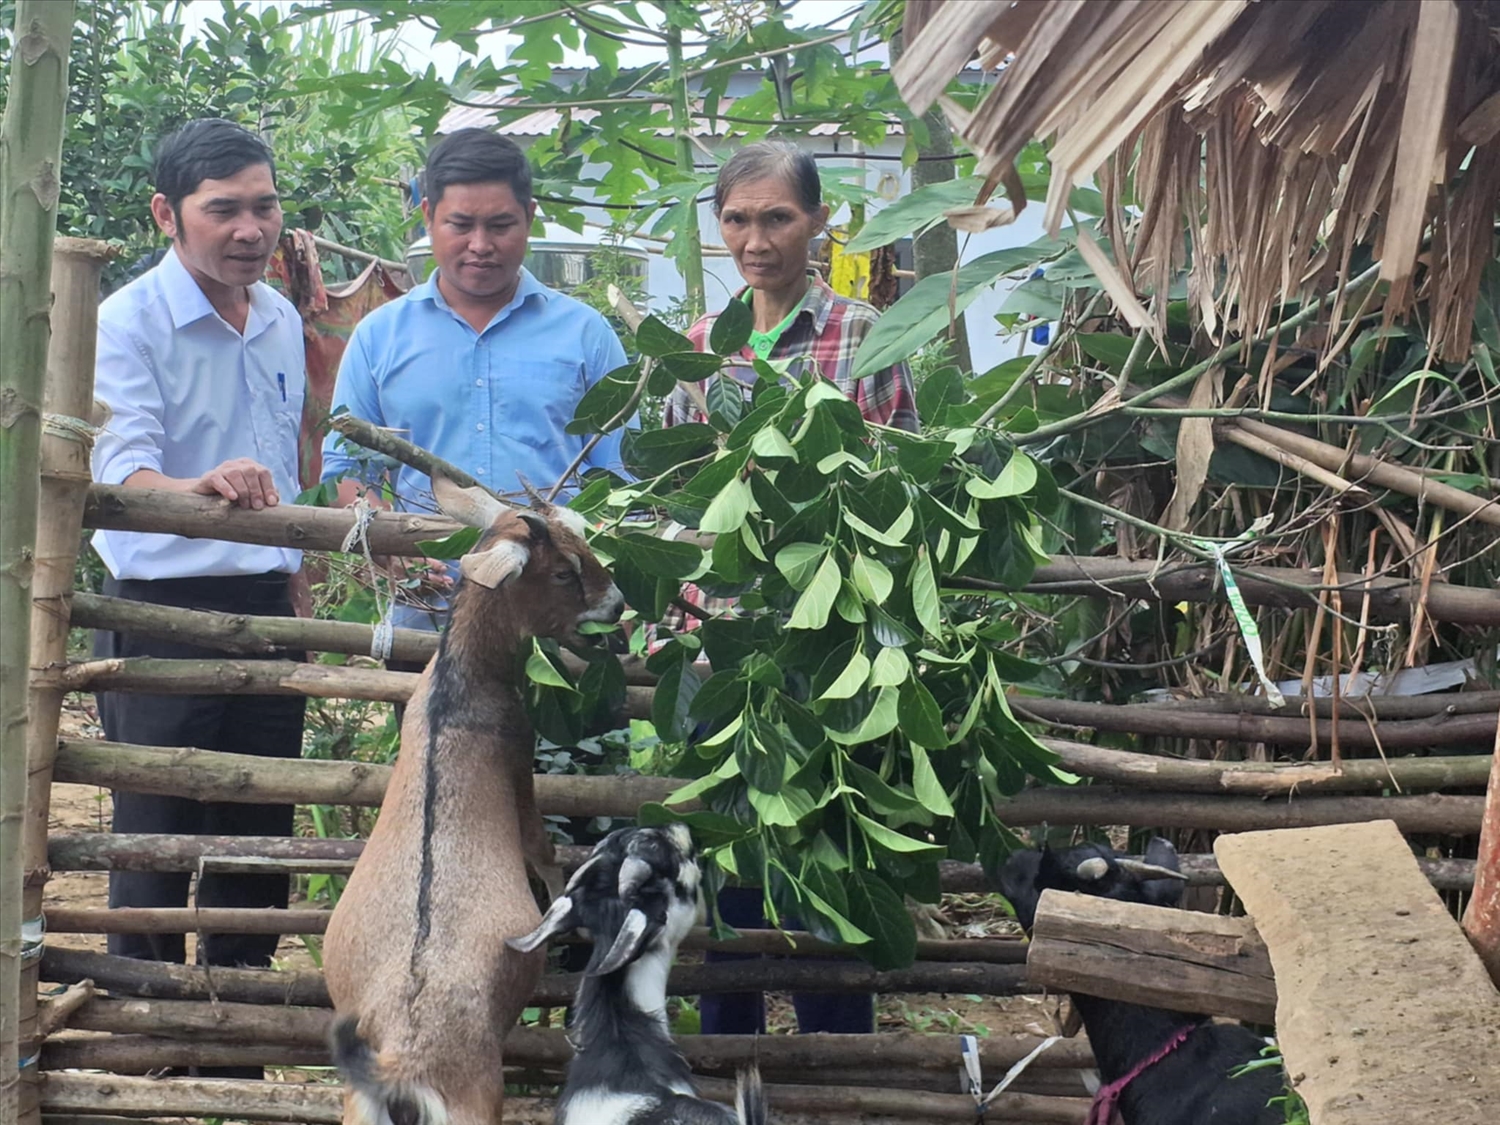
{"points": [[1091, 869]]}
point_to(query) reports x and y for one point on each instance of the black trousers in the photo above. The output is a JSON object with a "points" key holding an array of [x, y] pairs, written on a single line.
{"points": [[269, 726]]}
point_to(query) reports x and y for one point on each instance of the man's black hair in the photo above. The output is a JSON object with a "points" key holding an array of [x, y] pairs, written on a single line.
{"points": [[207, 149], [477, 156]]}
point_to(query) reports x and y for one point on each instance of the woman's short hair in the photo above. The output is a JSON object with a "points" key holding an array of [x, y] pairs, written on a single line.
{"points": [[766, 160]]}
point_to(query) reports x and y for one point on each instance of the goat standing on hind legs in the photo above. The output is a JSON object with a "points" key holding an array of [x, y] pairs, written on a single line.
{"points": [[415, 956], [637, 896]]}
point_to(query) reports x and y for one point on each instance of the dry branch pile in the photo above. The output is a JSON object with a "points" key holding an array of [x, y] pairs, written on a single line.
{"points": [[1274, 136]]}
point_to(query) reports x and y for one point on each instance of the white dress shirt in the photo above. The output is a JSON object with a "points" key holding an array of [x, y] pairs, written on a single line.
{"points": [[187, 392]]}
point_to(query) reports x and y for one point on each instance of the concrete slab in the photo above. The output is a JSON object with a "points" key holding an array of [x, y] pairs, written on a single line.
{"points": [[1384, 1012]]}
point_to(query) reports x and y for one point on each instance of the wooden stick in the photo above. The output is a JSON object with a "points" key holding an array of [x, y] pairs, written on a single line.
{"points": [[1302, 465], [361, 255], [393, 533], [1481, 920], [386, 442], [53, 1013], [1184, 960], [1101, 804]]}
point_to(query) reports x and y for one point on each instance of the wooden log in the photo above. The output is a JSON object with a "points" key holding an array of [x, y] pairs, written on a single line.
{"points": [[1437, 730], [206, 775], [1378, 707], [265, 636], [386, 442], [324, 529], [1391, 599], [775, 974], [115, 508], [1384, 1012], [1180, 959], [1481, 920], [159, 676], [1103, 804]]}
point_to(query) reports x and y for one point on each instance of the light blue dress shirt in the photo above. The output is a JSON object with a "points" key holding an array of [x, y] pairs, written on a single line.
{"points": [[186, 393], [495, 403]]}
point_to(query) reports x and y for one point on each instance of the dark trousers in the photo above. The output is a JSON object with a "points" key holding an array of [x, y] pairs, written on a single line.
{"points": [[744, 1013], [268, 726]]}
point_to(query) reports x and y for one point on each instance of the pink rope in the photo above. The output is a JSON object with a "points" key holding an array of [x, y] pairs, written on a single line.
{"points": [[1102, 1110]]}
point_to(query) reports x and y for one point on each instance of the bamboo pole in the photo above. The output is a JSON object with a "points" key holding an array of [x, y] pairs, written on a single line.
{"points": [[394, 533], [1481, 919], [104, 851], [1102, 804], [67, 442], [386, 442], [31, 135], [206, 775]]}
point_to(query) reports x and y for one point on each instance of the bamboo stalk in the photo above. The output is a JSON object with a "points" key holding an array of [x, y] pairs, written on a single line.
{"points": [[393, 533], [1297, 464], [1481, 921], [409, 453], [67, 442], [1099, 804], [361, 255], [31, 135]]}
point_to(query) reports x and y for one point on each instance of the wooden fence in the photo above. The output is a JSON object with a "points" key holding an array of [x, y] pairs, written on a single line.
{"points": [[130, 1019]]}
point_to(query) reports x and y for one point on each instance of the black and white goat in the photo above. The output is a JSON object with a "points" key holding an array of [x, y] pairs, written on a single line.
{"points": [[636, 897], [1159, 1067]]}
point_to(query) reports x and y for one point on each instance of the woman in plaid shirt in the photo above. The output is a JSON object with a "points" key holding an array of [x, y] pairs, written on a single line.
{"points": [[770, 206]]}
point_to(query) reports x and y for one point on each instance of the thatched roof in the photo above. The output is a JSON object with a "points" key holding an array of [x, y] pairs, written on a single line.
{"points": [[1285, 133]]}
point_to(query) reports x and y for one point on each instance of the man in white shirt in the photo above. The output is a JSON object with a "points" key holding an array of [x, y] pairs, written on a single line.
{"points": [[202, 367]]}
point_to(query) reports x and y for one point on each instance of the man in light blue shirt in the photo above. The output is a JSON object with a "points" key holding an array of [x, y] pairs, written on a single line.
{"points": [[481, 364]]}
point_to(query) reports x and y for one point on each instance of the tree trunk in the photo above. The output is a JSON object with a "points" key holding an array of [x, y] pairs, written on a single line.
{"points": [[936, 251], [1482, 917], [31, 137]]}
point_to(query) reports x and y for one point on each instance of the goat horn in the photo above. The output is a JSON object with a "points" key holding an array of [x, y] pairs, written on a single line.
{"points": [[626, 945], [537, 522], [537, 499], [1093, 869], [559, 917], [1143, 870], [633, 874]]}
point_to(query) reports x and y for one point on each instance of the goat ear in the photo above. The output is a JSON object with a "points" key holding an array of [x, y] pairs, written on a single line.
{"points": [[500, 563], [557, 920], [541, 530], [472, 506], [627, 944]]}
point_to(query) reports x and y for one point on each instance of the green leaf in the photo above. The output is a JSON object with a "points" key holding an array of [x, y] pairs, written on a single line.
{"points": [[654, 338], [722, 694], [822, 890], [880, 721], [920, 717], [851, 679], [816, 602], [674, 444], [924, 594], [925, 784], [761, 759], [770, 444], [922, 208], [1017, 478], [690, 367], [890, 668], [797, 561], [539, 670], [726, 401], [919, 316], [884, 538], [605, 400], [878, 910], [872, 578], [728, 510], [895, 841], [784, 809], [731, 329], [663, 558], [450, 547], [674, 695]]}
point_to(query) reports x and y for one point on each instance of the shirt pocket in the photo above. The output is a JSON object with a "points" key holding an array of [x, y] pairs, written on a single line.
{"points": [[537, 399]]}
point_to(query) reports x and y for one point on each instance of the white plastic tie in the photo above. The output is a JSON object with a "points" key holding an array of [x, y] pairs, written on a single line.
{"points": [[74, 429], [1019, 1068], [383, 637], [1242, 615], [968, 1047]]}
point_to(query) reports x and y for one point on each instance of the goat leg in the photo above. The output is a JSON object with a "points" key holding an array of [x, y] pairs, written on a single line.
{"points": [[536, 846]]}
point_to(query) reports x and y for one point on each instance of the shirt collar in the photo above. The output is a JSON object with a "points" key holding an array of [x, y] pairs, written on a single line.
{"points": [[189, 304], [817, 302], [527, 286]]}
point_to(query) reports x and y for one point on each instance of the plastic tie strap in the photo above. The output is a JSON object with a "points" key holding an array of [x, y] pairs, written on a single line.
{"points": [[1242, 615], [1018, 1069], [383, 637]]}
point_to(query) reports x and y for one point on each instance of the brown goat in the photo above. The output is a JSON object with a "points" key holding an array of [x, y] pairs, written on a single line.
{"points": [[415, 953]]}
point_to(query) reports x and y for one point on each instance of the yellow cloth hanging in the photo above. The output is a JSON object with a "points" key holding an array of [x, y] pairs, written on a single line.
{"points": [[848, 274]]}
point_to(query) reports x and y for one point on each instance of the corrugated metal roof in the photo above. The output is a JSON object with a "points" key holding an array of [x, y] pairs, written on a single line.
{"points": [[545, 122]]}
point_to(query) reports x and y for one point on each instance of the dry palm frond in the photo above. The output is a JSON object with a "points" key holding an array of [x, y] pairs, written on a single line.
{"points": [[1277, 135]]}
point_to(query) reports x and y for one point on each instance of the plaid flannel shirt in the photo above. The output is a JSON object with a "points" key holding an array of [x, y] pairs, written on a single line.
{"points": [[828, 330]]}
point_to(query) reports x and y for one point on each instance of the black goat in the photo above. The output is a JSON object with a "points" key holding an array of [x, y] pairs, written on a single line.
{"points": [[1189, 1083], [636, 897]]}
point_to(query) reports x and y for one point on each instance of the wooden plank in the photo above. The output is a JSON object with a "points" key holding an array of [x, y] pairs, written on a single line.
{"points": [[1179, 959], [1384, 1012]]}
